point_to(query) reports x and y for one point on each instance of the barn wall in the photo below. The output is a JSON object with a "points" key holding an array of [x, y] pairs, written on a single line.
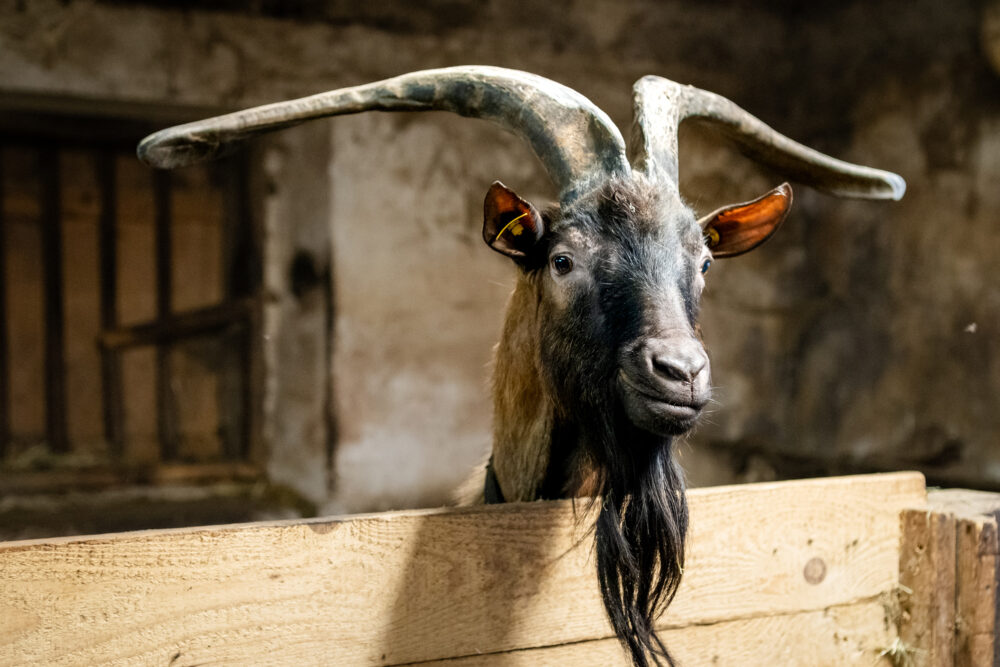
{"points": [[862, 337]]}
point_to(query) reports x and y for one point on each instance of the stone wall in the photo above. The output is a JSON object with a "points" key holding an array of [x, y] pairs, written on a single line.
{"points": [[864, 336]]}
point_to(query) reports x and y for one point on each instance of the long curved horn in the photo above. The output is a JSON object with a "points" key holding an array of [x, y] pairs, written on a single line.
{"points": [[661, 105], [576, 142]]}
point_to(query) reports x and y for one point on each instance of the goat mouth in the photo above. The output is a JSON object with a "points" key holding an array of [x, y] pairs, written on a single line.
{"points": [[658, 412]]}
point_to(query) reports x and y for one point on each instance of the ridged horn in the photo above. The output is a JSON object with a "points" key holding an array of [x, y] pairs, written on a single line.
{"points": [[576, 142], [660, 106]]}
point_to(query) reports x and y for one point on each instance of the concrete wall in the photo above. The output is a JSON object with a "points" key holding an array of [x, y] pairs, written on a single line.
{"points": [[862, 337]]}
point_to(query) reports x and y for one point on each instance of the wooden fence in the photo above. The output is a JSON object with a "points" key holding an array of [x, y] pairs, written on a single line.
{"points": [[790, 573]]}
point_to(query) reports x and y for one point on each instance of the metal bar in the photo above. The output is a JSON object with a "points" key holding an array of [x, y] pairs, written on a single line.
{"points": [[164, 401], [111, 373], [4, 365], [55, 362]]}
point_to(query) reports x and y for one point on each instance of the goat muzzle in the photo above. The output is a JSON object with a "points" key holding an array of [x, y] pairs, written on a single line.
{"points": [[665, 383]]}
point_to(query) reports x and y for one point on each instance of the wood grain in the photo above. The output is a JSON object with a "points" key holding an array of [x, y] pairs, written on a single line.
{"points": [[424, 585], [849, 635]]}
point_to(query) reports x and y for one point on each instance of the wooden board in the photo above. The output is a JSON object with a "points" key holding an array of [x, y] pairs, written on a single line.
{"points": [[949, 568], [927, 578], [426, 585], [849, 635], [977, 569]]}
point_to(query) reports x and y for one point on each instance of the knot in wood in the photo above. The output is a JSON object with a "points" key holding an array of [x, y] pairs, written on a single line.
{"points": [[815, 571]]}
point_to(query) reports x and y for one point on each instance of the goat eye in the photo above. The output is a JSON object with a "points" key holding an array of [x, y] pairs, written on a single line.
{"points": [[704, 267], [562, 264]]}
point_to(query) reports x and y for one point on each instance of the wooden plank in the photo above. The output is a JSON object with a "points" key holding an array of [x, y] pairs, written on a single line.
{"points": [[977, 569], [856, 634], [927, 584], [424, 585]]}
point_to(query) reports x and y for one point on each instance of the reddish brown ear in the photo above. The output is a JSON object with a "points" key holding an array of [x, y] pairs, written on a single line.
{"points": [[734, 230], [511, 225]]}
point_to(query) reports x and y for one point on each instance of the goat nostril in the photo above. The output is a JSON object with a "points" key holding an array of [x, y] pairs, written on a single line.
{"points": [[672, 368], [680, 368]]}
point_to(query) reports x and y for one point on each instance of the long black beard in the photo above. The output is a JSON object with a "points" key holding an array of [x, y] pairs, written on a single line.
{"points": [[643, 521], [640, 535]]}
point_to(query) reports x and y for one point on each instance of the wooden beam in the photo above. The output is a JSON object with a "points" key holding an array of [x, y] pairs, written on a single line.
{"points": [[427, 585], [198, 322]]}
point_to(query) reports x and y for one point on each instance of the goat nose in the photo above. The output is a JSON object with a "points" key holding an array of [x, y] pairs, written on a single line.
{"points": [[679, 361]]}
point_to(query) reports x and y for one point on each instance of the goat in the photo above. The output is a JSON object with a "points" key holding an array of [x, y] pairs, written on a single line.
{"points": [[600, 364]]}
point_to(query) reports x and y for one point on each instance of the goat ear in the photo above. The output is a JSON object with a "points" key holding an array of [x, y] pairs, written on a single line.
{"points": [[511, 225], [734, 230]]}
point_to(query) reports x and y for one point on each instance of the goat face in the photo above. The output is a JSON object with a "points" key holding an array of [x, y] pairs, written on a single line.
{"points": [[619, 276], [620, 292]]}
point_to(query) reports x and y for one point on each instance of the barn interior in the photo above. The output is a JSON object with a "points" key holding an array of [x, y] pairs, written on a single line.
{"points": [[306, 326]]}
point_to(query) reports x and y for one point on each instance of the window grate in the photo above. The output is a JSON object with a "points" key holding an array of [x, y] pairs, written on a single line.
{"points": [[147, 283]]}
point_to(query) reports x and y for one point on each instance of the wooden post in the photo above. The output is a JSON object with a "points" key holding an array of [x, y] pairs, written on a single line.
{"points": [[948, 577], [927, 585]]}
